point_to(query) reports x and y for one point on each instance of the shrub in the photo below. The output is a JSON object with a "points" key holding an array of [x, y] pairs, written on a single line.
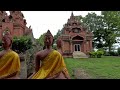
{"points": [[112, 53], [92, 54], [103, 50], [119, 51], [99, 53], [21, 44]]}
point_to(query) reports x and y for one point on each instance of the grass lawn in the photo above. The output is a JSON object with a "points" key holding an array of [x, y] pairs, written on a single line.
{"points": [[97, 68]]}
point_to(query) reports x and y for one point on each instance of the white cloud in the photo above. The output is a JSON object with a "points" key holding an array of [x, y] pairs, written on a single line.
{"points": [[41, 21]]}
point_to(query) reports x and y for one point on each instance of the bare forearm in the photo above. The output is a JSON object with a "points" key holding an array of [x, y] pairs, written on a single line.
{"points": [[37, 65], [11, 76]]}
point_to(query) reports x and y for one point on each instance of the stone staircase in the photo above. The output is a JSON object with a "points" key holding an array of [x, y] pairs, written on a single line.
{"points": [[78, 54]]}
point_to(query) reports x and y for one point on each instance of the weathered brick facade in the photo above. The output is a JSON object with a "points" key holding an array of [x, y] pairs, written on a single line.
{"points": [[75, 37], [15, 23]]}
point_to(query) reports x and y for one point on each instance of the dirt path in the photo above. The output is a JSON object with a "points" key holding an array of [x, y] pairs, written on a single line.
{"points": [[80, 74]]}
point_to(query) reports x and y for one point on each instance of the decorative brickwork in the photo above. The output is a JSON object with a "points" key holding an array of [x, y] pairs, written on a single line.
{"points": [[75, 37]]}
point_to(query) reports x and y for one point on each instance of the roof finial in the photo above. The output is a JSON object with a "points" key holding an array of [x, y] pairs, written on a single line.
{"points": [[72, 15]]}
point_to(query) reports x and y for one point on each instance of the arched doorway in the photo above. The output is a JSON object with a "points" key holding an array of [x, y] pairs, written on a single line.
{"points": [[77, 43]]}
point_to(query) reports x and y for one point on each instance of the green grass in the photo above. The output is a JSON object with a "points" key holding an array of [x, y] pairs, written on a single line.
{"points": [[97, 68]]}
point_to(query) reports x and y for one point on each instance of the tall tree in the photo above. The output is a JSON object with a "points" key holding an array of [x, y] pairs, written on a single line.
{"points": [[111, 27], [94, 23]]}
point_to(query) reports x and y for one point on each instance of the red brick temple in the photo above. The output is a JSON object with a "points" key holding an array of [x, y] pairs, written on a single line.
{"points": [[75, 38], [14, 23]]}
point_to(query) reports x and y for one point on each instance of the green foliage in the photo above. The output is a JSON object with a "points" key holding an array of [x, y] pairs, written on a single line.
{"points": [[112, 53], [97, 53], [111, 21], [57, 35], [55, 46], [21, 44], [92, 54], [102, 49], [94, 24], [119, 51], [105, 27], [41, 40]]}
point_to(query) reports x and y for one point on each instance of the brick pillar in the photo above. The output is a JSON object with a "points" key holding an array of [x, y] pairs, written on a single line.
{"points": [[85, 46], [71, 47]]}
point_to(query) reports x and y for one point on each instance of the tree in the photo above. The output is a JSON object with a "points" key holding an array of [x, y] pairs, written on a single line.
{"points": [[57, 35], [41, 40], [93, 23], [105, 27], [111, 27]]}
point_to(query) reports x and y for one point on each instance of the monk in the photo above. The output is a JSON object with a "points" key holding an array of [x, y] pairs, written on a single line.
{"points": [[49, 63], [9, 60]]}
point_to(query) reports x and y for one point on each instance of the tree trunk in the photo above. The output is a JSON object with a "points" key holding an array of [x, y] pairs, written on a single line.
{"points": [[109, 48]]}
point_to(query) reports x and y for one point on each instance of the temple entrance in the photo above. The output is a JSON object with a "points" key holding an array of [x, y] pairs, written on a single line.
{"points": [[76, 39], [77, 47]]}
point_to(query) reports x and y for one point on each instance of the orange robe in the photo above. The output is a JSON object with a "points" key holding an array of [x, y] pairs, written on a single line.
{"points": [[9, 64], [53, 64]]}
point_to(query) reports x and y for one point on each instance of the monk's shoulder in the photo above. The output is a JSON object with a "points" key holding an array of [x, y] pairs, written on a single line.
{"points": [[40, 53], [14, 53], [1, 54], [57, 53]]}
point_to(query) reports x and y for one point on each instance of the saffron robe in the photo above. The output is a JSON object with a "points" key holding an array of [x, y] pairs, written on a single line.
{"points": [[52, 65], [9, 64]]}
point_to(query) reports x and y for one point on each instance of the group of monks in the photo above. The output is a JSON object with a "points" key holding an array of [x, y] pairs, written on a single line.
{"points": [[49, 63]]}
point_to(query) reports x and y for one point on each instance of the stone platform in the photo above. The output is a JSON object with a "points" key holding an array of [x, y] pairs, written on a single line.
{"points": [[78, 54]]}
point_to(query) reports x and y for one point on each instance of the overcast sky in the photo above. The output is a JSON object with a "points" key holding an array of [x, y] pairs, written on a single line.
{"points": [[41, 21]]}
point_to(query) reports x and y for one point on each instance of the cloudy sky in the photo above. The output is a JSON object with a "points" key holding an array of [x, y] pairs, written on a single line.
{"points": [[41, 21]]}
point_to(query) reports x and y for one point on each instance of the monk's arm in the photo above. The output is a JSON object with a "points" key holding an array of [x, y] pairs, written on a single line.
{"points": [[2, 53], [37, 65], [37, 62], [11, 76]]}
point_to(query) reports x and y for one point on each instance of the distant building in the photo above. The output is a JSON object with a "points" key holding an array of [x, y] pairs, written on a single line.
{"points": [[75, 37], [14, 23]]}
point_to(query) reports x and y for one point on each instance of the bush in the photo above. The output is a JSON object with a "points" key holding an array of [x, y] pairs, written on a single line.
{"points": [[92, 54], [99, 53], [21, 44], [112, 53], [119, 51], [103, 50]]}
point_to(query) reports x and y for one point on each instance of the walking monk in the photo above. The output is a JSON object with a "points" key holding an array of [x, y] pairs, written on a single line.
{"points": [[49, 63], [9, 60]]}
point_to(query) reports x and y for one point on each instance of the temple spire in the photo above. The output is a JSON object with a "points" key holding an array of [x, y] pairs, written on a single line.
{"points": [[72, 15]]}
